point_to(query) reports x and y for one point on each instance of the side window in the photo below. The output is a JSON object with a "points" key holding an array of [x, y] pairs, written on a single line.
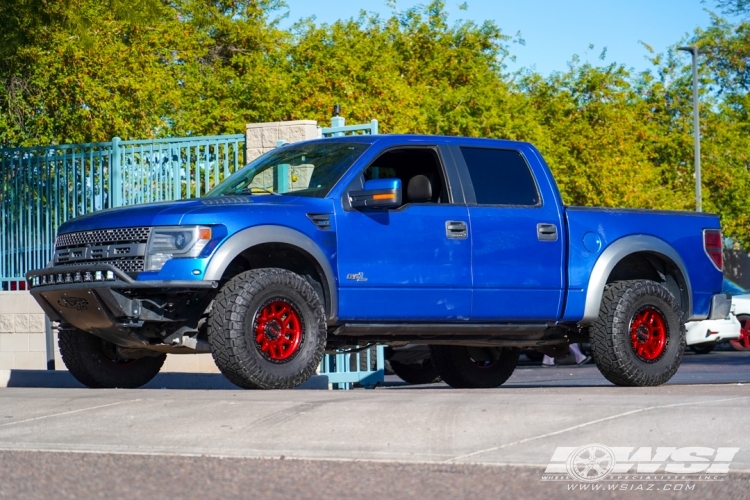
{"points": [[419, 170], [500, 177]]}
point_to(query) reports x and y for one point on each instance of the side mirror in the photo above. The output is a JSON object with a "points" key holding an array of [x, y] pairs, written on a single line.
{"points": [[378, 193]]}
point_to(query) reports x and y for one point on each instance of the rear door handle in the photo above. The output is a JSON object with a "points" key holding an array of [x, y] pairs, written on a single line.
{"points": [[456, 230], [546, 232]]}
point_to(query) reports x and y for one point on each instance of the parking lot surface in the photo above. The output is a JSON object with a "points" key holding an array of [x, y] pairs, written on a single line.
{"points": [[432, 432]]}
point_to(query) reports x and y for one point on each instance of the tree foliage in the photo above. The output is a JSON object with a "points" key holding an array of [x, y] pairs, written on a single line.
{"points": [[85, 71]]}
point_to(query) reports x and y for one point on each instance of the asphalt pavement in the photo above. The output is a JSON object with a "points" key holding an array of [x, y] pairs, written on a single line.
{"points": [[397, 441]]}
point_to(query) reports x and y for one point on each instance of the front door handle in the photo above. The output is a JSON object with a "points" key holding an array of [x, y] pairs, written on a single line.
{"points": [[546, 232], [456, 230]]}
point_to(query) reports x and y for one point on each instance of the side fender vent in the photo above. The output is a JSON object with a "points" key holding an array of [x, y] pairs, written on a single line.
{"points": [[323, 221]]}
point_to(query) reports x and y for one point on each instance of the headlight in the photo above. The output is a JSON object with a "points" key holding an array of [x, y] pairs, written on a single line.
{"points": [[175, 242]]}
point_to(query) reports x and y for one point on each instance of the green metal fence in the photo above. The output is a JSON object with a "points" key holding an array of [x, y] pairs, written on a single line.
{"points": [[173, 169], [42, 187], [344, 369]]}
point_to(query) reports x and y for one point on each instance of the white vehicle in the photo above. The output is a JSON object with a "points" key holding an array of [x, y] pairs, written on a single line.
{"points": [[702, 336], [741, 305]]}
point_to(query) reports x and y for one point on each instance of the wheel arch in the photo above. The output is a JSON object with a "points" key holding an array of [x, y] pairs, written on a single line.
{"points": [[276, 246], [638, 257]]}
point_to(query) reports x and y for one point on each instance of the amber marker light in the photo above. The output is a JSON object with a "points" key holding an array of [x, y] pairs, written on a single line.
{"points": [[204, 233]]}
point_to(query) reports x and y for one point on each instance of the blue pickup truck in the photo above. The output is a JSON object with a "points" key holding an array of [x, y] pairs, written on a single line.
{"points": [[460, 244]]}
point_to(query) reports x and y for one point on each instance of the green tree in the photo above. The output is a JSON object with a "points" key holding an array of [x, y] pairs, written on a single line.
{"points": [[83, 71]]}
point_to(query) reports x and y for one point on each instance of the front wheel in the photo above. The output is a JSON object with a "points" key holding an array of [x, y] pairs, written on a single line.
{"points": [[267, 329], [94, 362], [638, 339], [465, 367]]}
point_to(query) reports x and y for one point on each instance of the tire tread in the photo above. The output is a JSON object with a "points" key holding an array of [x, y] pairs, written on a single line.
{"points": [[227, 333], [610, 338], [81, 352], [454, 367]]}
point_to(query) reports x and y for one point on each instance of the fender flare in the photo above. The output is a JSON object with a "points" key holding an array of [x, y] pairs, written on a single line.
{"points": [[617, 251], [258, 235]]}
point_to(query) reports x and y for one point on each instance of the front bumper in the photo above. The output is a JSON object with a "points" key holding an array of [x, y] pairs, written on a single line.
{"points": [[116, 308]]}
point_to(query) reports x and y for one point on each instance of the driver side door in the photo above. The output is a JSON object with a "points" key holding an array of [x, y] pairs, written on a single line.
{"points": [[411, 262]]}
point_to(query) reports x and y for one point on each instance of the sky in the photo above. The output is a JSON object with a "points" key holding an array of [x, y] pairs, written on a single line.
{"points": [[554, 30]]}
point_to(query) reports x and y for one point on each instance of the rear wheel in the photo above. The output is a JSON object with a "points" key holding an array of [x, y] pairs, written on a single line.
{"points": [[465, 367], [533, 355], [639, 339], [743, 342], [419, 372], [267, 329], [94, 362], [703, 348]]}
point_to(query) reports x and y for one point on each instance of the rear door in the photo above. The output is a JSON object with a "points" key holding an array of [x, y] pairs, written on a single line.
{"points": [[516, 236]]}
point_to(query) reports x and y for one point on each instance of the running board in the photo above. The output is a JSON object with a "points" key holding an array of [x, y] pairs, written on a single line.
{"points": [[438, 330]]}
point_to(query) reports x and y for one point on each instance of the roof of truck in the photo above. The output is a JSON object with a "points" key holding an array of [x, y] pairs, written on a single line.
{"points": [[422, 138]]}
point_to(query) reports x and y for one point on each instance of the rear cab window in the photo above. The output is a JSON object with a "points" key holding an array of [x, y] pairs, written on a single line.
{"points": [[500, 177]]}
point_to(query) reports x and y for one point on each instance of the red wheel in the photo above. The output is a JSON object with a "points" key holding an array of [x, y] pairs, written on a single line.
{"points": [[743, 342], [278, 330], [267, 329], [648, 333], [639, 338]]}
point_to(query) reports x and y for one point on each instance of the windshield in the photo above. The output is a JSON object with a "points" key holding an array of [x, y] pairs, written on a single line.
{"points": [[732, 288], [305, 170]]}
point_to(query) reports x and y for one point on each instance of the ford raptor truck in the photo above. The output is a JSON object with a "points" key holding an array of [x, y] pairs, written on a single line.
{"points": [[335, 244]]}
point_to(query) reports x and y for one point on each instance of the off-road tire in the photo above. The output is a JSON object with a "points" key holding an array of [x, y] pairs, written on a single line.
{"points": [[533, 355], [91, 361], [704, 348], [233, 340], [421, 372], [458, 369], [611, 345]]}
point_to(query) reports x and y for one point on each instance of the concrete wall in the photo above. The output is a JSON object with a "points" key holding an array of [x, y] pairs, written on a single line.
{"points": [[190, 363], [261, 138], [23, 341], [22, 338]]}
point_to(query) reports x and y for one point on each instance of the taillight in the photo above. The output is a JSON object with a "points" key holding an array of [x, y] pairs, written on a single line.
{"points": [[712, 245]]}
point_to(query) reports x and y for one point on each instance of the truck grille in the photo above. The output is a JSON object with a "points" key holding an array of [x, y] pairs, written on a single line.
{"points": [[123, 248], [103, 236], [133, 265]]}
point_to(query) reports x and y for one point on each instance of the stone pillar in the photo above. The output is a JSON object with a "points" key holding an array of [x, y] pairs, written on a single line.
{"points": [[262, 137]]}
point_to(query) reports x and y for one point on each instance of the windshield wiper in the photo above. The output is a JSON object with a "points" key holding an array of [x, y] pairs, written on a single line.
{"points": [[251, 191]]}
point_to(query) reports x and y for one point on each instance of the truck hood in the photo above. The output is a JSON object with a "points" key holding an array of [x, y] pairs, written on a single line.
{"points": [[172, 213]]}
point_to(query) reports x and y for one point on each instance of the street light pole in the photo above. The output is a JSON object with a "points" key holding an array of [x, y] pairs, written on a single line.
{"points": [[696, 128]]}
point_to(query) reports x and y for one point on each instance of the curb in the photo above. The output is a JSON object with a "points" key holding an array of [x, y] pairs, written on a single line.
{"points": [[62, 379]]}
